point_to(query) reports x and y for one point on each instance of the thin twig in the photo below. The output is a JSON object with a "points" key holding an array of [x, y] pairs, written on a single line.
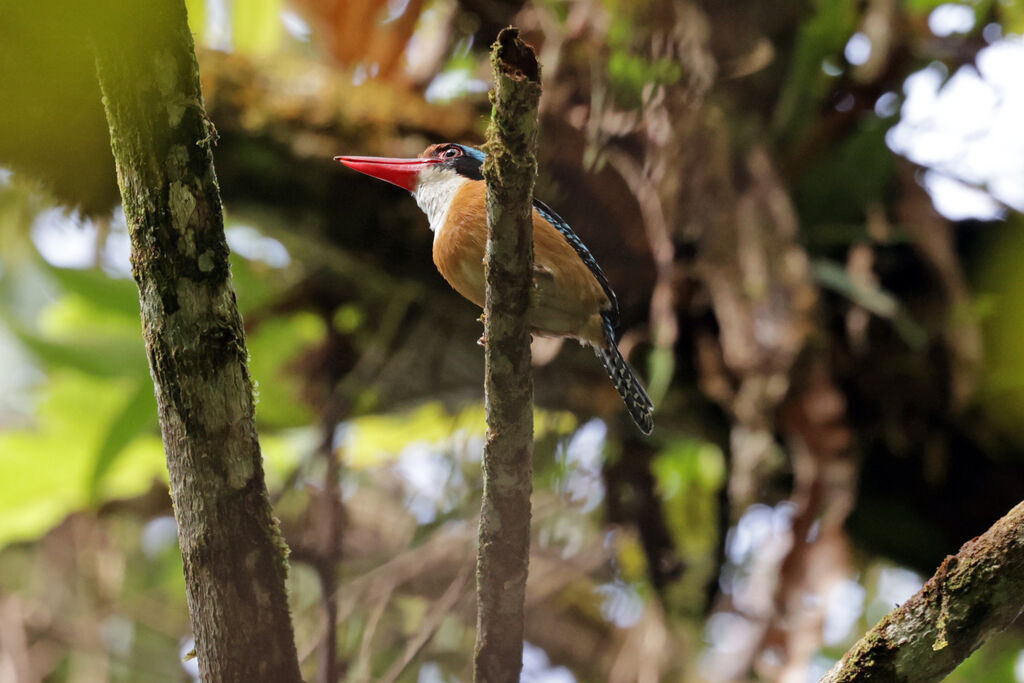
{"points": [[363, 665], [431, 623], [327, 567]]}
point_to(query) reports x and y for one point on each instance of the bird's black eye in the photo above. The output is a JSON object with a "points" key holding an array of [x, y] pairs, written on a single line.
{"points": [[451, 153]]}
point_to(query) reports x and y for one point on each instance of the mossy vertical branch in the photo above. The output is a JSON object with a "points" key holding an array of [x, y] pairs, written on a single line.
{"points": [[234, 556], [504, 541]]}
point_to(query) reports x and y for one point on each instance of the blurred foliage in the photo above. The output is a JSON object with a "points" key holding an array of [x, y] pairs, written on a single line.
{"points": [[48, 471], [739, 129], [820, 39], [256, 26], [1001, 290]]}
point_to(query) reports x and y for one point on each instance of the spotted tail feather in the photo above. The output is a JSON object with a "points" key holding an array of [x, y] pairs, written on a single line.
{"points": [[633, 394]]}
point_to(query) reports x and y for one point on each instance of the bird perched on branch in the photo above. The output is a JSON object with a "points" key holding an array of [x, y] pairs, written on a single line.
{"points": [[572, 298]]}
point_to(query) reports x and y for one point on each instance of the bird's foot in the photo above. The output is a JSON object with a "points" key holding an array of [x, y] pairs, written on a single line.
{"points": [[482, 341]]}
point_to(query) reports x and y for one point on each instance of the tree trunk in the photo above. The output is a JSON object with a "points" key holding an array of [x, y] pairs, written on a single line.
{"points": [[504, 547], [234, 556]]}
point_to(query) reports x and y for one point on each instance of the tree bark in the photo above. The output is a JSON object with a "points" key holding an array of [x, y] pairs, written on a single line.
{"points": [[504, 537], [974, 594], [234, 556]]}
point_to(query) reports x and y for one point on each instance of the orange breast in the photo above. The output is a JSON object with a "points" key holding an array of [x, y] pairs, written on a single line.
{"points": [[461, 242], [568, 298]]}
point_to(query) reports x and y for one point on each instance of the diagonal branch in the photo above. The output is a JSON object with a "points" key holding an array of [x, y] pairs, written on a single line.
{"points": [[504, 536], [975, 593]]}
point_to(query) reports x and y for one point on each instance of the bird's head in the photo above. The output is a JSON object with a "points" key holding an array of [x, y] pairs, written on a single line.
{"points": [[446, 160]]}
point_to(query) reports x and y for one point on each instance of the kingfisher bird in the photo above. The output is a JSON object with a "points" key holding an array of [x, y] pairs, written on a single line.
{"points": [[572, 295]]}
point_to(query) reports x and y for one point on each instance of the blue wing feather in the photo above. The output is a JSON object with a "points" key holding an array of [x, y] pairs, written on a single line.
{"points": [[581, 250]]}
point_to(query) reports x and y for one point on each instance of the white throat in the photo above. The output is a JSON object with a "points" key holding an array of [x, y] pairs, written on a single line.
{"points": [[434, 194]]}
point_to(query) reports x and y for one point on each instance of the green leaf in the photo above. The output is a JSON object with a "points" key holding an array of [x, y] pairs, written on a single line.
{"points": [[100, 357], [981, 7], [138, 415], [661, 366], [77, 331], [275, 344], [831, 275], [820, 38], [45, 468], [629, 74], [1001, 288], [113, 294], [256, 284], [996, 660], [1011, 16], [375, 439], [839, 186], [256, 26], [689, 473], [923, 5]]}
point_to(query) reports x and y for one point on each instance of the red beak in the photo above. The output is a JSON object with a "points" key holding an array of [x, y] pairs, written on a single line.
{"points": [[402, 172]]}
